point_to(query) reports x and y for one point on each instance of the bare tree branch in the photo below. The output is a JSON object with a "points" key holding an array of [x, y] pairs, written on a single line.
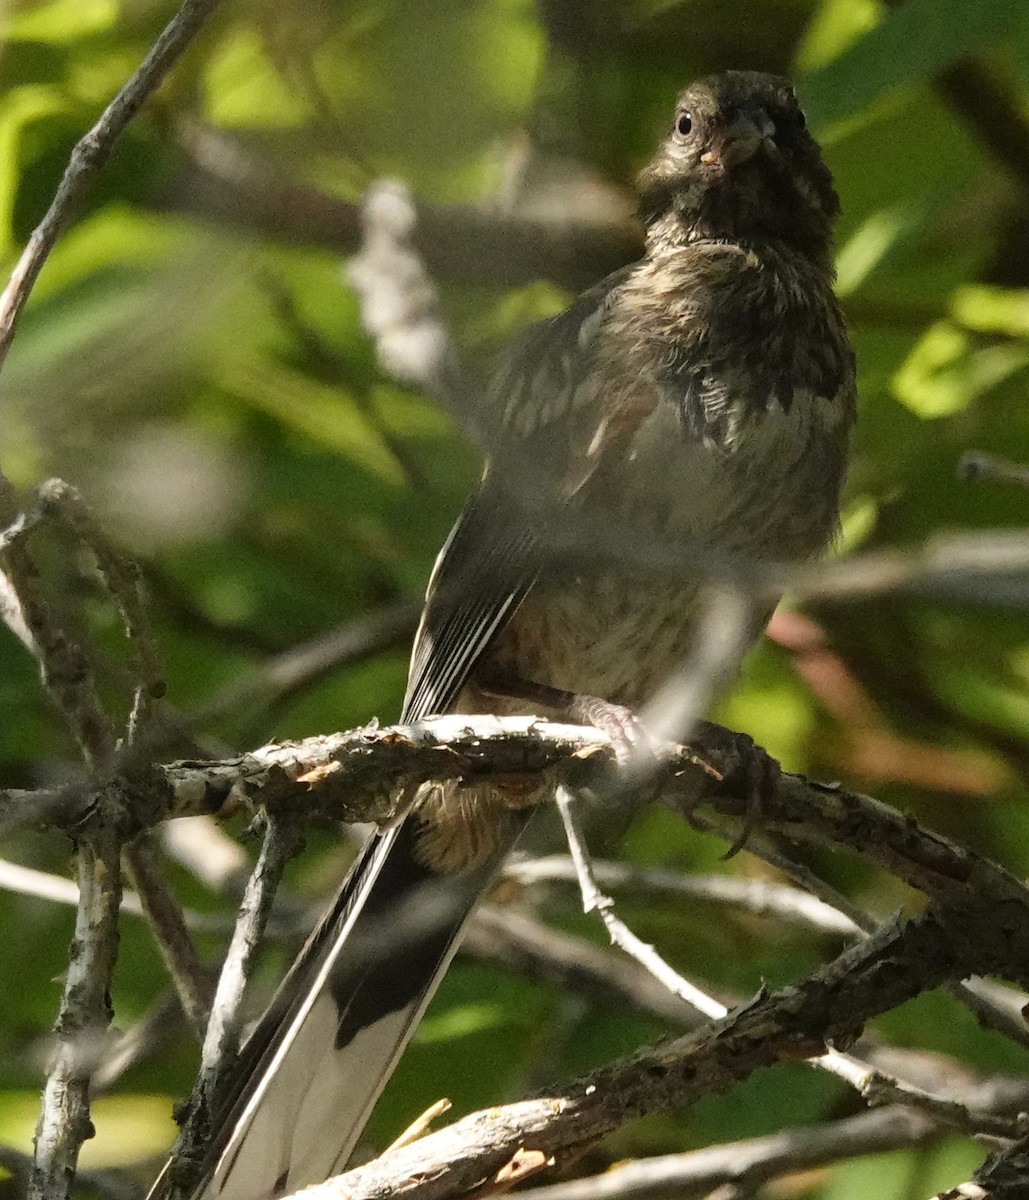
{"points": [[85, 1013], [757, 896], [353, 775], [795, 1022], [222, 181], [749, 1164]]}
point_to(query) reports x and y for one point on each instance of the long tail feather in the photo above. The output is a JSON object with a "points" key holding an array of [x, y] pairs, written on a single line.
{"points": [[312, 1070]]}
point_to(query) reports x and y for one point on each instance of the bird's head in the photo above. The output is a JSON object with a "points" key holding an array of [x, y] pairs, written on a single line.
{"points": [[740, 163]]}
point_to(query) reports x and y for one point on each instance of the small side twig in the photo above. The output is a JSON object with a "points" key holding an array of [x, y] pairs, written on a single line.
{"points": [[880, 1089], [168, 923], [845, 1066], [282, 676], [64, 504], [995, 1007], [535, 950], [593, 900], [162, 1025], [65, 667], [978, 465]]}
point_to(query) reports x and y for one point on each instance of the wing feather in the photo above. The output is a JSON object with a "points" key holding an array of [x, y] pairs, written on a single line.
{"points": [[494, 553], [484, 571]]}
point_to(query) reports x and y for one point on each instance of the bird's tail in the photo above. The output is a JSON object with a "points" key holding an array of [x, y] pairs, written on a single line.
{"points": [[308, 1076]]}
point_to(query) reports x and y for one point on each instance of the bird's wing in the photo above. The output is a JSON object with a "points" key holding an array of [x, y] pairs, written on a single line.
{"points": [[485, 569], [496, 549]]}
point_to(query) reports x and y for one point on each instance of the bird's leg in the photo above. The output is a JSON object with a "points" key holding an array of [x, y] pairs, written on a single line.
{"points": [[620, 724]]}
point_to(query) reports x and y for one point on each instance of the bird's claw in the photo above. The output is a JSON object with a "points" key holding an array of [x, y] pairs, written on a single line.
{"points": [[747, 771]]}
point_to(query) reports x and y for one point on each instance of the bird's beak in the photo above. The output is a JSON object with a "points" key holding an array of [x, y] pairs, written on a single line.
{"points": [[740, 139]]}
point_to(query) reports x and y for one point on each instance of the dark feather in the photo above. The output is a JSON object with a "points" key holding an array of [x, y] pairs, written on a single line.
{"points": [[483, 573]]}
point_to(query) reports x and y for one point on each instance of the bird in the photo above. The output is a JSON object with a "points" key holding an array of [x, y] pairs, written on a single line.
{"points": [[698, 401]]}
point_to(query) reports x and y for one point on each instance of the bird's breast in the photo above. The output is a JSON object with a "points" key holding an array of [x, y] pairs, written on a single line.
{"points": [[613, 610]]}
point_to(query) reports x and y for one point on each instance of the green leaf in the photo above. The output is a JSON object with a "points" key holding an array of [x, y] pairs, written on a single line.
{"points": [[945, 372], [915, 39], [61, 20]]}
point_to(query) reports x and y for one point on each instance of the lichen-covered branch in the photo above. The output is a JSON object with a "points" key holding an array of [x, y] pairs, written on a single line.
{"points": [[85, 1014]]}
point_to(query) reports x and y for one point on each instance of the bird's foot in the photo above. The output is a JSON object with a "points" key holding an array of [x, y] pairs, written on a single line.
{"points": [[747, 771], [622, 726]]}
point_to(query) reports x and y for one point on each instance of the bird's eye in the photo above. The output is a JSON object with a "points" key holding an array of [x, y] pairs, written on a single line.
{"points": [[683, 124]]}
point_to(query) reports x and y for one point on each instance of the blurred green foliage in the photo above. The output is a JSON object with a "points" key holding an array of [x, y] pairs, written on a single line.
{"points": [[272, 491]]}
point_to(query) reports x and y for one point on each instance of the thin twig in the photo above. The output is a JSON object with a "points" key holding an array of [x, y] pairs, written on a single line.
{"points": [[65, 667], [753, 895], [880, 1089], [996, 1007], [282, 676], [326, 362], [289, 920], [844, 1066], [753, 1162], [593, 900], [161, 1026], [725, 630], [168, 923], [977, 465], [90, 154], [63, 504], [222, 1039], [769, 850], [600, 976]]}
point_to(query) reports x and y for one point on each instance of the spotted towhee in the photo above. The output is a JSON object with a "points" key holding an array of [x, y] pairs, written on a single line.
{"points": [[697, 402]]}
